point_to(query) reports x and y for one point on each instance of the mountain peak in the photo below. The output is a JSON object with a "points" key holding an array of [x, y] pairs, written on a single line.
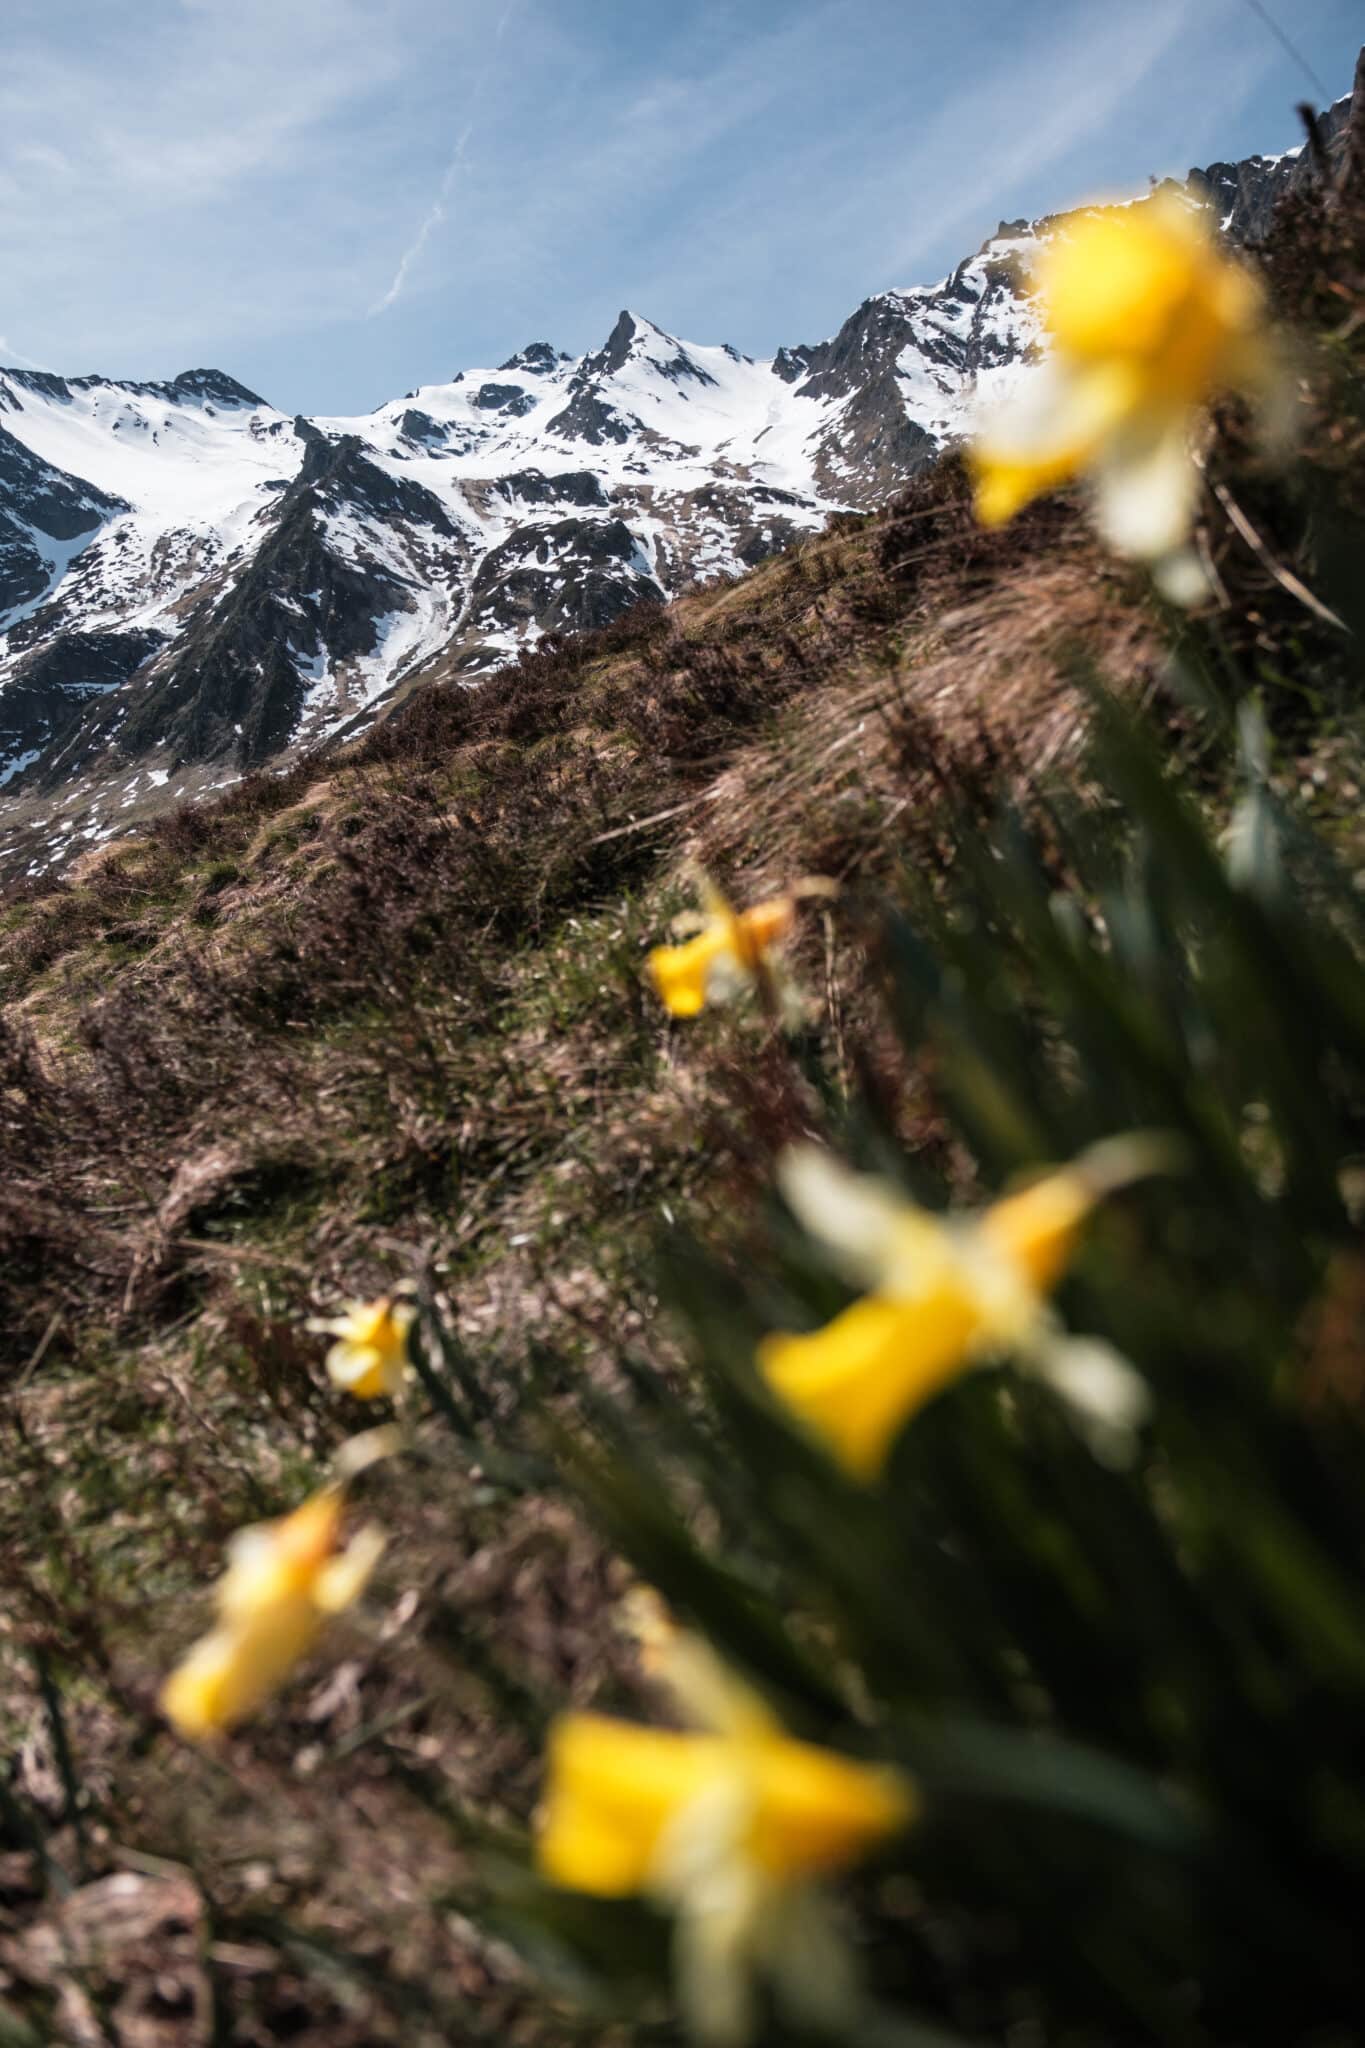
{"points": [[616, 349], [538, 357], [214, 386], [634, 339]]}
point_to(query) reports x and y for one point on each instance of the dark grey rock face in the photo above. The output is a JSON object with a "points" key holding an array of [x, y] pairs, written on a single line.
{"points": [[791, 364], [216, 387], [340, 476], [949, 334], [538, 357], [422, 428], [213, 386], [564, 575], [232, 683], [46, 711], [507, 398], [40, 503], [1245, 195], [592, 412], [589, 418], [570, 487]]}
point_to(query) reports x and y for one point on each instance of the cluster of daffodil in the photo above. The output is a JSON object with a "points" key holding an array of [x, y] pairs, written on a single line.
{"points": [[729, 1821], [286, 1578], [941, 1294], [1148, 318]]}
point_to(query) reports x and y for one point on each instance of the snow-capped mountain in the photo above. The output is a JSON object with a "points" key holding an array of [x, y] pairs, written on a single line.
{"points": [[192, 583], [187, 575]]}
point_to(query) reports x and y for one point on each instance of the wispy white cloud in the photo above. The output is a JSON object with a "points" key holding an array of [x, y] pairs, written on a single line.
{"points": [[432, 219], [616, 164], [190, 172], [436, 212], [1091, 99], [10, 354]]}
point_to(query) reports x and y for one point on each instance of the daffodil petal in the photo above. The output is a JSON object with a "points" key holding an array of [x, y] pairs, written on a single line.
{"points": [[764, 926], [1110, 1398], [234, 1669], [1122, 279], [811, 1964], [364, 1370], [256, 1574], [344, 1578], [681, 973], [630, 1809], [716, 1946], [358, 1453], [816, 1811], [1146, 485], [1050, 429], [1182, 579], [193, 1697], [1037, 1227], [854, 1215], [727, 978]]}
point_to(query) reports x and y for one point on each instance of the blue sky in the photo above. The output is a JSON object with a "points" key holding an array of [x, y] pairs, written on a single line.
{"points": [[338, 200]]}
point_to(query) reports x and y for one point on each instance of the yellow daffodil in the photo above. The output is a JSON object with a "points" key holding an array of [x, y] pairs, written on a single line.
{"points": [[284, 1579], [1148, 319], [726, 955], [945, 1294], [370, 1356], [728, 1830], [617, 1792]]}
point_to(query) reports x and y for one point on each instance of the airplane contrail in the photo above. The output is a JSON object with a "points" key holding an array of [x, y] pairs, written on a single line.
{"points": [[436, 212], [15, 355]]}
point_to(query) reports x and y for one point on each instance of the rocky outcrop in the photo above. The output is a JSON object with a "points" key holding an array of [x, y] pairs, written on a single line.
{"points": [[42, 509], [565, 575], [1245, 195], [307, 606]]}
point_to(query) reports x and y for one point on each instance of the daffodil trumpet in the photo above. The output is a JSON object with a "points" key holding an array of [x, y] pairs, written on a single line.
{"points": [[724, 952], [284, 1580], [945, 1294], [1148, 318], [370, 1357]]}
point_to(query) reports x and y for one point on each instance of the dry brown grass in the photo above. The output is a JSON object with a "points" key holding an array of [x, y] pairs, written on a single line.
{"points": [[987, 679]]}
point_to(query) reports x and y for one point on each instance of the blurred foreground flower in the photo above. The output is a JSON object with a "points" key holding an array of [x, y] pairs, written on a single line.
{"points": [[283, 1580], [731, 948], [728, 1829], [703, 1689], [946, 1294], [1149, 318], [370, 1357]]}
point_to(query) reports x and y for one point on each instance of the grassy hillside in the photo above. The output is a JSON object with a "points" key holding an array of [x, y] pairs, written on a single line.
{"points": [[383, 1018]]}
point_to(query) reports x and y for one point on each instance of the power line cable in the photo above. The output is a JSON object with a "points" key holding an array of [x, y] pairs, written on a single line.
{"points": [[1295, 53]]}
